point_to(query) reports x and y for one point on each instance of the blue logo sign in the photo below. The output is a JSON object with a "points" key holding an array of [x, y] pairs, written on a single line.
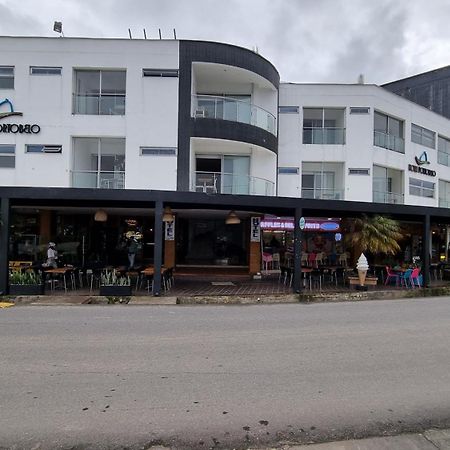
{"points": [[422, 159], [337, 237], [11, 111], [329, 226], [302, 223]]}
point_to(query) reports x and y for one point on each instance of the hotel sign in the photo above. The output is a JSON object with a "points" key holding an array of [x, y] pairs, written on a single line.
{"points": [[421, 161], [15, 128]]}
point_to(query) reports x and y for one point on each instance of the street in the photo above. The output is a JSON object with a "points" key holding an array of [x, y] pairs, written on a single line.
{"points": [[221, 376]]}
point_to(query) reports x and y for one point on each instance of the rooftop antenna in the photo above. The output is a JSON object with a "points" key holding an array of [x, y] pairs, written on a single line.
{"points": [[174, 34], [57, 27], [159, 29], [361, 78], [145, 34], [129, 33]]}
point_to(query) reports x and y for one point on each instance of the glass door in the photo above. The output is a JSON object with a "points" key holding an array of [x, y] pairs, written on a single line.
{"points": [[236, 174]]}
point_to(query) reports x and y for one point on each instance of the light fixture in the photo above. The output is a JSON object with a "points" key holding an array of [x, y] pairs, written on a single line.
{"points": [[232, 219], [168, 214], [57, 27], [101, 216]]}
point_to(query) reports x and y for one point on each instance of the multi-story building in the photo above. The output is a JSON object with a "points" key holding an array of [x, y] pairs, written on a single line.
{"points": [[129, 127]]}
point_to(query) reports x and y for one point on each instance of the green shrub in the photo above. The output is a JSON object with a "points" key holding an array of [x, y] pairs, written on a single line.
{"points": [[110, 278], [25, 278]]}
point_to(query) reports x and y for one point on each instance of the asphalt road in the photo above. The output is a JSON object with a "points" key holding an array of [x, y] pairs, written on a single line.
{"points": [[221, 376]]}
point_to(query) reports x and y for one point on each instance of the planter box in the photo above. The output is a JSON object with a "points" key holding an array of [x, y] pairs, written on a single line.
{"points": [[115, 291], [26, 289], [370, 281]]}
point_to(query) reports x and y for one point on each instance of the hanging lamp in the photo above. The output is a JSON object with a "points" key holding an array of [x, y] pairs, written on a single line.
{"points": [[101, 216], [232, 219], [167, 215]]}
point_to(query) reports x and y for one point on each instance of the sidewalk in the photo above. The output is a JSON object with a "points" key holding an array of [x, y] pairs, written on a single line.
{"points": [[430, 440]]}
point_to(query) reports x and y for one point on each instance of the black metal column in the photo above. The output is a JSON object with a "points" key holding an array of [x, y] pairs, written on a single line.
{"points": [[426, 243], [158, 249], [297, 252], [4, 244]]}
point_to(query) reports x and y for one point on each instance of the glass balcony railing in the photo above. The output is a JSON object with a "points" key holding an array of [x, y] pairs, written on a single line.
{"points": [[389, 141], [388, 197], [323, 194], [228, 183], [444, 203], [227, 108], [100, 180], [324, 135], [112, 105]]}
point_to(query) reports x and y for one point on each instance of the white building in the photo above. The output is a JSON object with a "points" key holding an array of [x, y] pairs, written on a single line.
{"points": [[132, 126]]}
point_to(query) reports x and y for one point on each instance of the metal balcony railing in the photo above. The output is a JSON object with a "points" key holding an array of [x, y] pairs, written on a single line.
{"points": [[324, 135], [228, 108], [96, 179], [323, 194], [388, 197], [389, 141], [228, 183], [96, 104]]}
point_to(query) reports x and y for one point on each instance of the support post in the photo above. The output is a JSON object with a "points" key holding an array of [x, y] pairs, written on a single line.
{"points": [[297, 252], [426, 242], [4, 244], [158, 249]]}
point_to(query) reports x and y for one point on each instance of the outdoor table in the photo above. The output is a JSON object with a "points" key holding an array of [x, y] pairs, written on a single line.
{"points": [[63, 271]]}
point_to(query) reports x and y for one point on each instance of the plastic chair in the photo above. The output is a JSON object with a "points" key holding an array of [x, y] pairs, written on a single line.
{"points": [[406, 277], [416, 278], [312, 259], [390, 275], [343, 259], [276, 261], [267, 260], [304, 259], [320, 257]]}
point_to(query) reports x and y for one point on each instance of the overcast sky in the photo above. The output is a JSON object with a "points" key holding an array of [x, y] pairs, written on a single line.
{"points": [[307, 40]]}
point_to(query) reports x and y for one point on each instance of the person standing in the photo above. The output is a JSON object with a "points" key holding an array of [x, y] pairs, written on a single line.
{"points": [[52, 255], [132, 250]]}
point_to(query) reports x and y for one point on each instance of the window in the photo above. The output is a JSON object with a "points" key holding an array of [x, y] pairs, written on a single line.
{"points": [[288, 109], [323, 180], [159, 151], [6, 77], [387, 185], [422, 136], [7, 156], [99, 92], [359, 110], [443, 151], [359, 171], [421, 188], [288, 170], [388, 132], [323, 126], [160, 72], [444, 194], [43, 149], [36, 70]]}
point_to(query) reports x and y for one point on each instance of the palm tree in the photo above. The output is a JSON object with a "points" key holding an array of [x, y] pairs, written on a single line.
{"points": [[375, 234]]}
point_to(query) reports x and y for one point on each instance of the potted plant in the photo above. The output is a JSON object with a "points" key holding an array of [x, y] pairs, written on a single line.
{"points": [[114, 285], [26, 283]]}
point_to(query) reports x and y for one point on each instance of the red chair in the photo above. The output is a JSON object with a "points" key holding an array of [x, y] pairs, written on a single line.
{"points": [[415, 278], [390, 275], [312, 259]]}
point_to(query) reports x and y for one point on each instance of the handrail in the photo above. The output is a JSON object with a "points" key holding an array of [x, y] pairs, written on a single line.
{"points": [[245, 112], [103, 179], [231, 183]]}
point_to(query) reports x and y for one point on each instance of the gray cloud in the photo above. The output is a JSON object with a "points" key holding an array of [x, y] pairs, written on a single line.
{"points": [[308, 41]]}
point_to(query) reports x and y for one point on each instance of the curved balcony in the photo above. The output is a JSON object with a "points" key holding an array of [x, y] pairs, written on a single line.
{"points": [[228, 108], [228, 183]]}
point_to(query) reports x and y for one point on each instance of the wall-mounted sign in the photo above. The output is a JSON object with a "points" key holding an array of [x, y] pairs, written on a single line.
{"points": [[338, 237], [16, 127], [302, 223], [169, 230], [323, 225], [255, 229], [422, 160]]}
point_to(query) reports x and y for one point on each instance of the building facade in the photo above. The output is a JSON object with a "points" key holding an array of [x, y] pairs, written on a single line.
{"points": [[133, 126]]}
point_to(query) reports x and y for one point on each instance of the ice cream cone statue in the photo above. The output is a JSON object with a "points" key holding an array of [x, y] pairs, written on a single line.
{"points": [[362, 268]]}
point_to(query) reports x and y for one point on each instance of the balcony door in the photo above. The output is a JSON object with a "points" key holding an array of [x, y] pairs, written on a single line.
{"points": [[318, 185], [225, 174]]}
